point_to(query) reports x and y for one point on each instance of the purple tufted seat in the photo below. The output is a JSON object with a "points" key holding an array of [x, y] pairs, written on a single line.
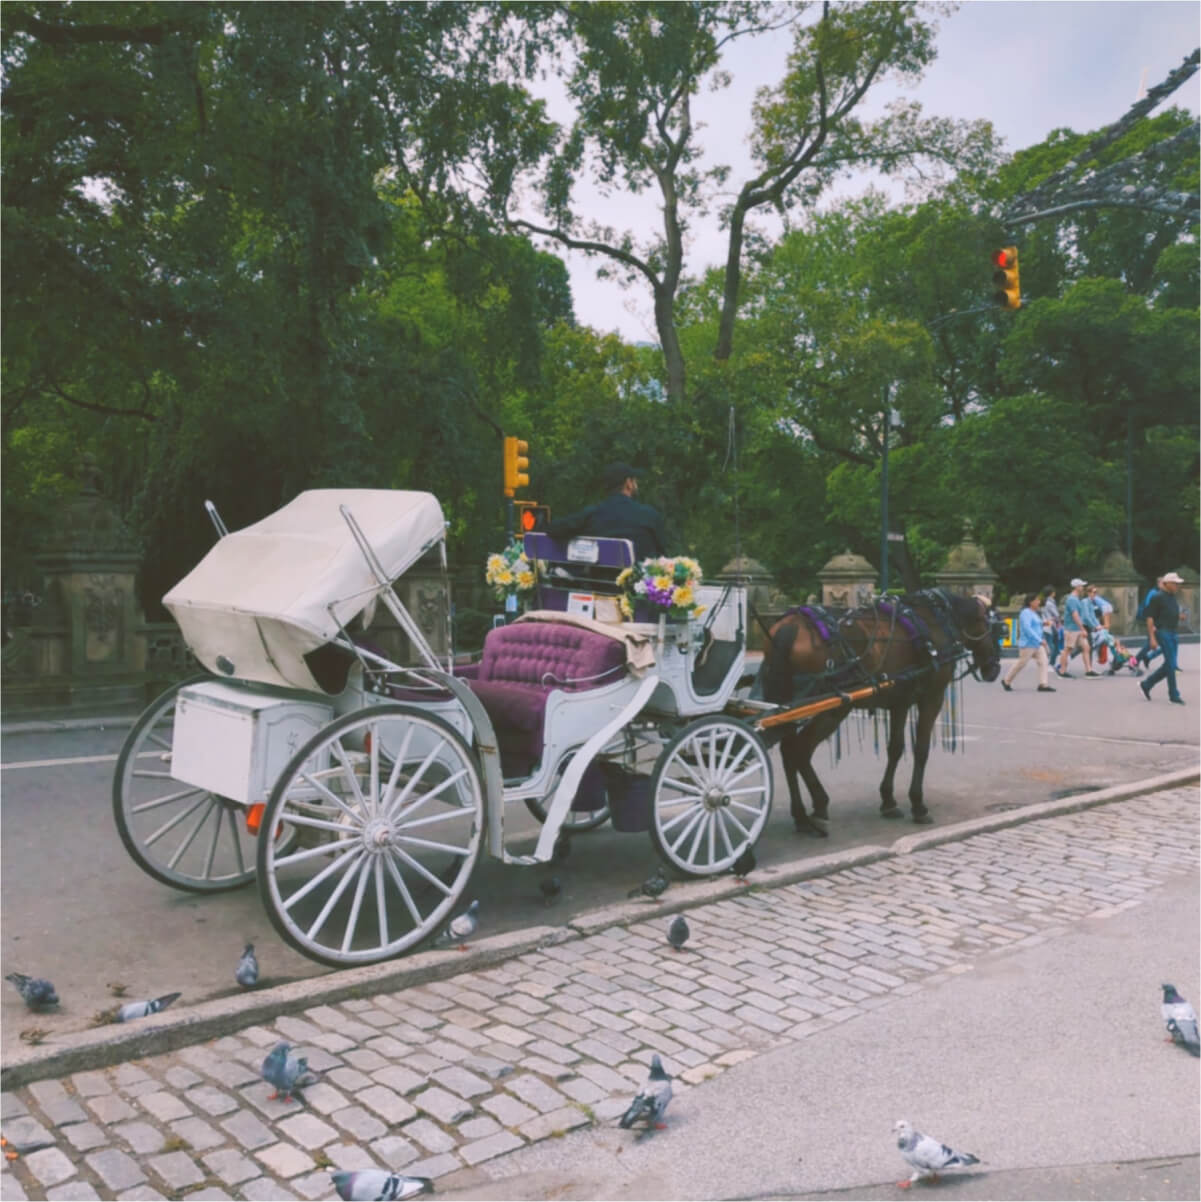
{"points": [[520, 667]]}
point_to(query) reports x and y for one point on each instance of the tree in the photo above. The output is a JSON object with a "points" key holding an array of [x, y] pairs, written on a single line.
{"points": [[633, 72]]}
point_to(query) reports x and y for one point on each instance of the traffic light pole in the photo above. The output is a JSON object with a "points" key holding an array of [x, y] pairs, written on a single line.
{"points": [[884, 497]]}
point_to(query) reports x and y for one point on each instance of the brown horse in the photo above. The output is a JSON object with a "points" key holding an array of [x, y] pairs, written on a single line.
{"points": [[913, 647]]}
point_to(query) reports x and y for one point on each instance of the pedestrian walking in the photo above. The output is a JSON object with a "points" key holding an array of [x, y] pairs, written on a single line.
{"points": [[1148, 653], [1163, 622], [1030, 645], [1052, 626], [1102, 607], [1076, 616]]}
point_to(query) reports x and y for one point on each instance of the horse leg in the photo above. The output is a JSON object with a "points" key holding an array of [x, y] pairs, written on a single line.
{"points": [[806, 742], [896, 749], [790, 757], [927, 712]]}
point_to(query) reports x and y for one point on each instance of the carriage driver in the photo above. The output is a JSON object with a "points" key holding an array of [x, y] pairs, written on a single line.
{"points": [[619, 515]]}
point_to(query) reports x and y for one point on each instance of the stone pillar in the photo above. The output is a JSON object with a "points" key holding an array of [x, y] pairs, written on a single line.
{"points": [[86, 645], [967, 571], [1119, 584], [847, 580], [762, 593], [423, 591], [1186, 598]]}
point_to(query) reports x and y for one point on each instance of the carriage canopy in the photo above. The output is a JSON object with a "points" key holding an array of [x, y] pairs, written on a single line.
{"points": [[266, 596]]}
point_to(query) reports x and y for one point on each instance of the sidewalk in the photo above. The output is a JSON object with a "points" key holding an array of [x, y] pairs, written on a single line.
{"points": [[444, 1077]]}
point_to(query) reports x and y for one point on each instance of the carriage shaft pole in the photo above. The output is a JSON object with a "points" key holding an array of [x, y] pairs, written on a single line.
{"points": [[813, 708]]}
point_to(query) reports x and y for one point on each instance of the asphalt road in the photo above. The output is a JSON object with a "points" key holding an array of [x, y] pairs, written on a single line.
{"points": [[78, 910]]}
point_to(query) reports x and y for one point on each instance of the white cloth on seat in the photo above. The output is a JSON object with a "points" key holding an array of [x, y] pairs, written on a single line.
{"points": [[640, 652]]}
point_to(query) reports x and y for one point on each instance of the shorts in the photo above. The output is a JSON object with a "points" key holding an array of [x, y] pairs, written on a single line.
{"points": [[1072, 637]]}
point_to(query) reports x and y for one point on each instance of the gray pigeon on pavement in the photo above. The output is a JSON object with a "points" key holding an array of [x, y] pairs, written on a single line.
{"points": [[1180, 1020], [461, 927], [550, 888], [364, 1185], [287, 1073], [37, 992], [927, 1155], [651, 1101], [678, 932], [745, 863], [132, 1010], [653, 886], [247, 972]]}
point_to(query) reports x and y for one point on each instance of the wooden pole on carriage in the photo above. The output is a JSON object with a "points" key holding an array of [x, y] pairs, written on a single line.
{"points": [[821, 706]]}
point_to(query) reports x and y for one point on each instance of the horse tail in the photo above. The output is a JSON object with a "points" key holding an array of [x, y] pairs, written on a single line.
{"points": [[776, 673]]}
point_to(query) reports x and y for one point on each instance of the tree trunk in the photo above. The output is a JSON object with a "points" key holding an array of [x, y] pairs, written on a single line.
{"points": [[729, 295], [669, 339]]}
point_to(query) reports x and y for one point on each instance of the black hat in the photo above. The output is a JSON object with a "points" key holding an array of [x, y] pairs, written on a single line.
{"points": [[616, 475]]}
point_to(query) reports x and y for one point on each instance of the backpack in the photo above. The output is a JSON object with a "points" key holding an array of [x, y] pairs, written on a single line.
{"points": [[1141, 613]]}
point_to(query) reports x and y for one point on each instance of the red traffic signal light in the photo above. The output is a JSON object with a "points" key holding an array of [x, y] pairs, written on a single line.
{"points": [[1009, 289]]}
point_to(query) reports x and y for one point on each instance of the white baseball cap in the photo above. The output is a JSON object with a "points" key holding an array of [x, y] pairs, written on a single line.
{"points": [[1078, 583], [1172, 578]]}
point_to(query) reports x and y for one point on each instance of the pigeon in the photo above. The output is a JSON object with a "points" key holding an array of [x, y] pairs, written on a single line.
{"points": [[462, 927], [37, 992], [653, 886], [745, 864], [651, 1101], [550, 889], [286, 1073], [368, 1184], [678, 932], [247, 972], [1180, 1020], [927, 1155], [132, 1010]]}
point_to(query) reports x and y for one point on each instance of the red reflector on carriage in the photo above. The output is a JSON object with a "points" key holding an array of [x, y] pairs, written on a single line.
{"points": [[254, 817]]}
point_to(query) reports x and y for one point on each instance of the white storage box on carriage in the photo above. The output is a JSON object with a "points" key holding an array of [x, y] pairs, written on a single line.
{"points": [[236, 743]]}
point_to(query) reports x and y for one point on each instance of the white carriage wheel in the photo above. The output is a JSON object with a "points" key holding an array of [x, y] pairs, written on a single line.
{"points": [[389, 810], [179, 834], [711, 795]]}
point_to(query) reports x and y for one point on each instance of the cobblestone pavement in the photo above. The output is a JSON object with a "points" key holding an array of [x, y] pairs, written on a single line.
{"points": [[448, 1075]]}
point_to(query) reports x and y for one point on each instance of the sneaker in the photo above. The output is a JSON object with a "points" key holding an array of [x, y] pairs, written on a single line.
{"points": [[1061, 674], [1176, 700], [1090, 672], [1142, 688], [1045, 688], [1007, 687]]}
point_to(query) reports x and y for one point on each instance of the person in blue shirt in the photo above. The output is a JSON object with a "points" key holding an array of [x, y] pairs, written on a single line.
{"points": [[1163, 623], [1030, 644], [1075, 618], [1148, 653], [619, 515]]}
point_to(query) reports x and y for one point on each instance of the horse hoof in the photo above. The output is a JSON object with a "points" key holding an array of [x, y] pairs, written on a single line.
{"points": [[922, 818], [893, 811], [808, 827]]}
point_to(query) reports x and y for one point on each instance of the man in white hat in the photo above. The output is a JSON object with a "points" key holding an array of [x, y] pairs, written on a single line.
{"points": [[1075, 619], [1163, 621]]}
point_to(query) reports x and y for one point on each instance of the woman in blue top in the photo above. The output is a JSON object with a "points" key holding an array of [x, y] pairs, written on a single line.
{"points": [[1030, 645]]}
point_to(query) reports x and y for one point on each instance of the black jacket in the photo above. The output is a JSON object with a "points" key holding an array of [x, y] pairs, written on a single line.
{"points": [[617, 516]]}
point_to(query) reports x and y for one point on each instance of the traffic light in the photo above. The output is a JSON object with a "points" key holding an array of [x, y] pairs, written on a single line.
{"points": [[530, 516], [1009, 290], [517, 465]]}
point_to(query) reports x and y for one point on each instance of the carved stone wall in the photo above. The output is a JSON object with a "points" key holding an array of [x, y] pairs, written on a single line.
{"points": [[847, 580], [967, 571]]}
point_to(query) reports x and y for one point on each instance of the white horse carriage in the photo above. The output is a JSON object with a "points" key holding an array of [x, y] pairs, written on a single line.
{"points": [[360, 791]]}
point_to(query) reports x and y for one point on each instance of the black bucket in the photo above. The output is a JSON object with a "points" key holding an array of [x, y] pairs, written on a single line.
{"points": [[630, 797], [590, 795]]}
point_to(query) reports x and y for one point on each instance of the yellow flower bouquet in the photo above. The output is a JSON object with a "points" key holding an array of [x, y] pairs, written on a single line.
{"points": [[509, 572], [661, 587]]}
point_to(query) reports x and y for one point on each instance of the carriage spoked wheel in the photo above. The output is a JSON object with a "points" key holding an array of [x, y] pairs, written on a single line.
{"points": [[711, 795], [182, 835], [389, 811]]}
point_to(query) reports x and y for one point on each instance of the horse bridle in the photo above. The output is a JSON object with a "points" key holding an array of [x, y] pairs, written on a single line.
{"points": [[993, 631]]}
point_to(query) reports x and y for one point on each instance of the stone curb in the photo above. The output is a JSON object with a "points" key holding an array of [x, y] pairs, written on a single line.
{"points": [[103, 1047]]}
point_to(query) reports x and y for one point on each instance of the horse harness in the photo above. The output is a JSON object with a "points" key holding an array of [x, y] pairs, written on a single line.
{"points": [[844, 666]]}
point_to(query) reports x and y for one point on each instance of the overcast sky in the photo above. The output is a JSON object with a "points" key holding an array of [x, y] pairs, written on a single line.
{"points": [[1071, 64]]}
